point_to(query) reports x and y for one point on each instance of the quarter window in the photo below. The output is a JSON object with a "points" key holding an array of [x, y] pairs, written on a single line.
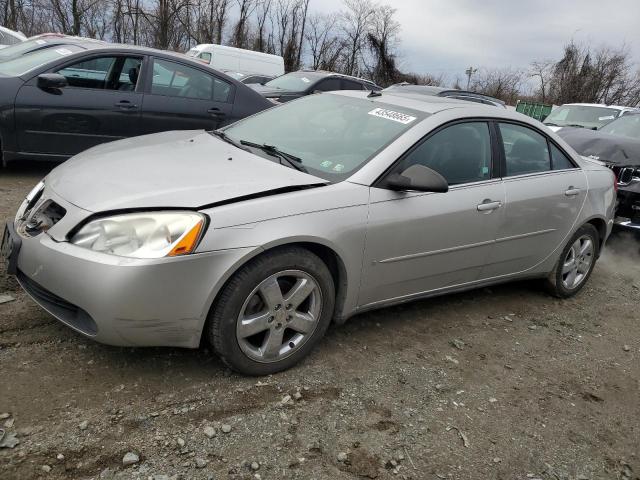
{"points": [[526, 151], [176, 80], [460, 153], [559, 160]]}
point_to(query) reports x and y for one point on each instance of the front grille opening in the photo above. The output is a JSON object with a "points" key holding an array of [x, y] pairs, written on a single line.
{"points": [[64, 311]]}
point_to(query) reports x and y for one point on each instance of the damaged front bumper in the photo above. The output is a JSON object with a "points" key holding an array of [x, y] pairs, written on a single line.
{"points": [[124, 301], [628, 202]]}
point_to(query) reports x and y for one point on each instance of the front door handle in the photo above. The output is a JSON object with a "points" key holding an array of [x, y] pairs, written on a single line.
{"points": [[125, 105], [572, 192], [488, 206]]}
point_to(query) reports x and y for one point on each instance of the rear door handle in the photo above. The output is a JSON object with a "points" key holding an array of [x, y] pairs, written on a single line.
{"points": [[125, 105], [488, 206], [572, 192], [216, 112]]}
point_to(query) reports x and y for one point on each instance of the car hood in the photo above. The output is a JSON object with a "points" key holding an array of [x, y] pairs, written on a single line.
{"points": [[185, 169], [612, 149]]}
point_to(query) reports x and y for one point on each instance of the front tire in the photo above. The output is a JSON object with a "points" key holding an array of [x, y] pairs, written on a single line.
{"points": [[272, 312], [576, 263]]}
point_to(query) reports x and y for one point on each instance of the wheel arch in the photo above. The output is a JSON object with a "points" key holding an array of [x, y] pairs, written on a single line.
{"points": [[325, 252], [601, 227]]}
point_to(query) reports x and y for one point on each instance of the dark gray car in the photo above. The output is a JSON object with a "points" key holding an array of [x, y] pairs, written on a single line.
{"points": [[305, 82], [410, 89], [59, 101]]}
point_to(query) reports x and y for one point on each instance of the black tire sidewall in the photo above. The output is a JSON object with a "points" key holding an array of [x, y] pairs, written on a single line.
{"points": [[223, 317], [560, 289]]}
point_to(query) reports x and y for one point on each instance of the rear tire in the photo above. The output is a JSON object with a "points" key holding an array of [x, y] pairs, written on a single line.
{"points": [[272, 312], [576, 263]]}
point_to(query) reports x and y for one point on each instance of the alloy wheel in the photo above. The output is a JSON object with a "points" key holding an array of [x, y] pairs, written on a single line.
{"points": [[279, 316], [577, 263]]}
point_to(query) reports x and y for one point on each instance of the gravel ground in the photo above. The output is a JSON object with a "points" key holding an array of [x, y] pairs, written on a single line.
{"points": [[499, 383]]}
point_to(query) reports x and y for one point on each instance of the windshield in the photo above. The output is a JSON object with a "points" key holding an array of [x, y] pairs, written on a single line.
{"points": [[581, 116], [332, 135], [21, 65], [293, 82], [625, 126], [236, 75], [22, 48]]}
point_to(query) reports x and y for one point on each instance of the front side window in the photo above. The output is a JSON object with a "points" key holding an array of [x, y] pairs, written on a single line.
{"points": [[460, 153], [104, 73], [332, 135], [177, 80], [526, 151]]}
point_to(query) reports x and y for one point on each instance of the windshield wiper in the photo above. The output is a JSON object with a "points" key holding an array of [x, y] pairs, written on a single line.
{"points": [[575, 125], [292, 160], [223, 136], [551, 124]]}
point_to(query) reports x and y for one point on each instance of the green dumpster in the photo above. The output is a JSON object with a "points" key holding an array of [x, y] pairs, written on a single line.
{"points": [[539, 111]]}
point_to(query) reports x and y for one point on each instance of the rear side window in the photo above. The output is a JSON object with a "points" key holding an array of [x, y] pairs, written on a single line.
{"points": [[206, 56], [351, 85], [526, 151], [559, 161], [460, 153], [176, 80], [328, 85]]}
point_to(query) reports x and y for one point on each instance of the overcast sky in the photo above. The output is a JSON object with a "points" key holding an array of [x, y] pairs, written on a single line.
{"points": [[447, 36]]}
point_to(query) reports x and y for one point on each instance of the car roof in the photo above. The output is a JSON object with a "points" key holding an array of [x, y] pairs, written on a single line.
{"points": [[405, 88], [616, 107], [423, 103], [327, 73]]}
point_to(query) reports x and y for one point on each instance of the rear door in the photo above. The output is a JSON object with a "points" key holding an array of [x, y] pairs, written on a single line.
{"points": [[182, 97], [100, 104], [544, 192]]}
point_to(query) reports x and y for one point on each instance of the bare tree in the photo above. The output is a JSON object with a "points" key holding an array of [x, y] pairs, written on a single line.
{"points": [[383, 37], [542, 71], [240, 37], [355, 24], [325, 47], [505, 84]]}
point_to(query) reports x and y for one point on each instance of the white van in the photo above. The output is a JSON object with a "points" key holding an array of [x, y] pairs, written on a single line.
{"points": [[239, 60], [9, 37]]}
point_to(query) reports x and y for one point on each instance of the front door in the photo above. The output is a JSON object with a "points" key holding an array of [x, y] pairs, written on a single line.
{"points": [[544, 191], [100, 104], [181, 97], [422, 242]]}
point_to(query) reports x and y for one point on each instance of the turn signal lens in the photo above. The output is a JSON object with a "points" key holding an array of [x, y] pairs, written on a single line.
{"points": [[188, 243]]}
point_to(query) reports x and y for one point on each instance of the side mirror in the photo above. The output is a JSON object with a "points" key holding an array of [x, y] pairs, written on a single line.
{"points": [[418, 178], [47, 81]]}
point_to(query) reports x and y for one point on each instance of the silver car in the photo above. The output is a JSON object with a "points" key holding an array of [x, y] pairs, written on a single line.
{"points": [[257, 237]]}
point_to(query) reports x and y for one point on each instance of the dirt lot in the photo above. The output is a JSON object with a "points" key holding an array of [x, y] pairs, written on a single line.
{"points": [[500, 383]]}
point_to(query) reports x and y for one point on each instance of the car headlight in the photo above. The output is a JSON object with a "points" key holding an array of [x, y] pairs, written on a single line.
{"points": [[30, 200], [143, 235]]}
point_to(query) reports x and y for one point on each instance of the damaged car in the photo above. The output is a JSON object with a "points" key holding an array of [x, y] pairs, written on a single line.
{"points": [[257, 236], [617, 145]]}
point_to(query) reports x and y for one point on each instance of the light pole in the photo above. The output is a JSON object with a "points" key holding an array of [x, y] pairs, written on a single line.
{"points": [[470, 71]]}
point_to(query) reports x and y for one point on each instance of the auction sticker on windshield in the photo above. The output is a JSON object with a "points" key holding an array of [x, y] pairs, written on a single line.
{"points": [[392, 115]]}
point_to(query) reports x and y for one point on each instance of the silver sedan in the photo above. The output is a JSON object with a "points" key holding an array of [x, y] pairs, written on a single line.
{"points": [[257, 237]]}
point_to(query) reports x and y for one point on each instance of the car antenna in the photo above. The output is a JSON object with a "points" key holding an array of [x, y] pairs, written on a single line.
{"points": [[374, 94]]}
